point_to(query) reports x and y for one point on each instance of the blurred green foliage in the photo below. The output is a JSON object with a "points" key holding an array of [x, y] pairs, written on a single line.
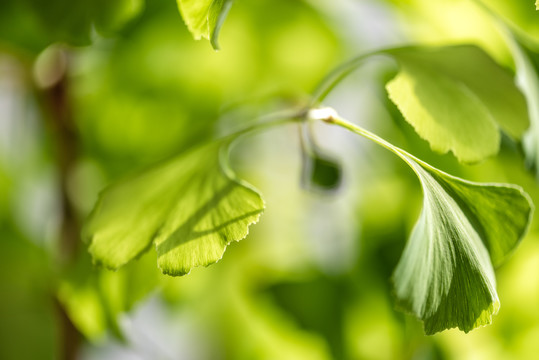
{"points": [[34, 24], [141, 90]]}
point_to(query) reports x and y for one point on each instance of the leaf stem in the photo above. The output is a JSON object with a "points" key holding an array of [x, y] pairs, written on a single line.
{"points": [[361, 131], [339, 121], [337, 75], [331, 80], [265, 122], [330, 116]]}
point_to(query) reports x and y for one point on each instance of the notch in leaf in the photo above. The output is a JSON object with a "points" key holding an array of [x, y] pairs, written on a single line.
{"points": [[191, 208], [204, 18]]}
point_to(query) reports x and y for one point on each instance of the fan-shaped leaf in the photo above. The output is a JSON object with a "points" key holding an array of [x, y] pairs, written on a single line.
{"points": [[191, 208], [445, 276], [456, 97]]}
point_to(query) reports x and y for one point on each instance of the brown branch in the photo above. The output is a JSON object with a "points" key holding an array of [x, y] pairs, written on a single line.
{"points": [[66, 141], [57, 111]]}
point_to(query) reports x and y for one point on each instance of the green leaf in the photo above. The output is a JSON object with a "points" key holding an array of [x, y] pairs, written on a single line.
{"points": [[445, 276], [456, 98], [204, 18], [526, 55], [190, 208]]}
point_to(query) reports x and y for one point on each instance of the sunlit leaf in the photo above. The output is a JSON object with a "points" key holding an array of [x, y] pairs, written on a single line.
{"points": [[456, 98], [445, 276], [204, 18], [190, 208]]}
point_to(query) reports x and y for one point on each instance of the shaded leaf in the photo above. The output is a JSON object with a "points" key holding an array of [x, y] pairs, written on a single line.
{"points": [[445, 276], [191, 208], [204, 18], [456, 98]]}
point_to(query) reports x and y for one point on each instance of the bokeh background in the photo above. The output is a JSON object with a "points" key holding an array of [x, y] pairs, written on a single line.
{"points": [[312, 280]]}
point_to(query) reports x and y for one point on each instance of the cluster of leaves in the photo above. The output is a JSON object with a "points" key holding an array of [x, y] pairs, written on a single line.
{"points": [[191, 207], [456, 98]]}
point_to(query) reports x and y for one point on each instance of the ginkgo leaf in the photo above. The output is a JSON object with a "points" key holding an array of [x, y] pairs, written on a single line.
{"points": [[190, 208], [445, 276], [456, 98], [204, 18]]}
